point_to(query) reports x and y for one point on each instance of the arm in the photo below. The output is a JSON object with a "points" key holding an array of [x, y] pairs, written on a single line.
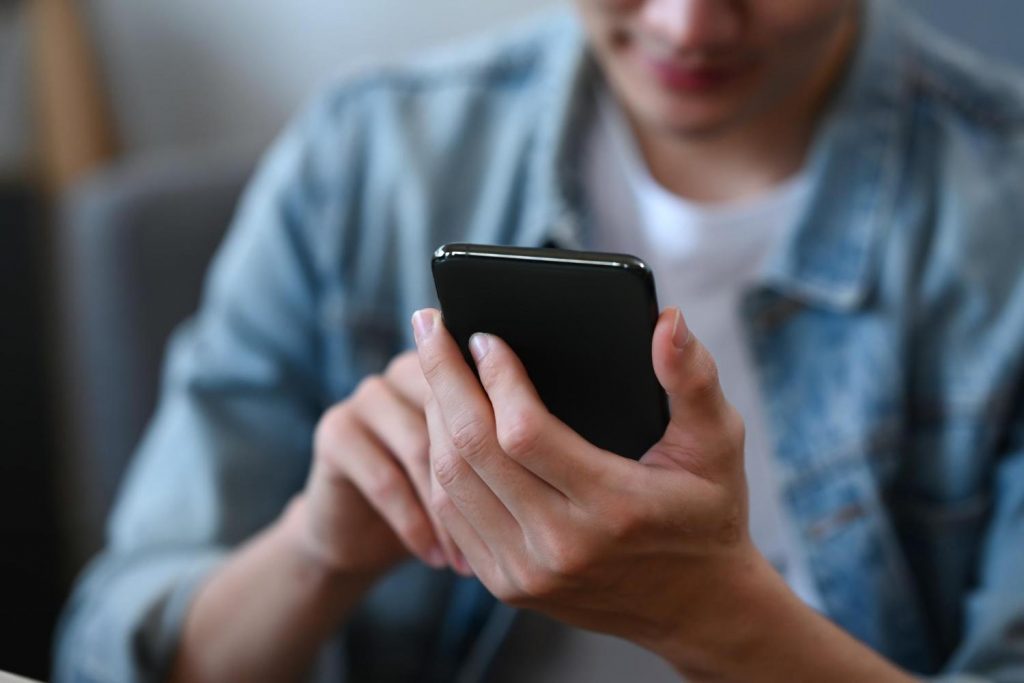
{"points": [[654, 551], [264, 615]]}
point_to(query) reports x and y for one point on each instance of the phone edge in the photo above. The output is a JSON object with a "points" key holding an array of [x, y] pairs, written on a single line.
{"points": [[589, 258]]}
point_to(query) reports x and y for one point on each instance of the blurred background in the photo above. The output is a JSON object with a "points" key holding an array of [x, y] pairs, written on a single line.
{"points": [[127, 130]]}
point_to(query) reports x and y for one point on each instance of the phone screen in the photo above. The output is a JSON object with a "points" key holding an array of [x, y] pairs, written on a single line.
{"points": [[582, 324]]}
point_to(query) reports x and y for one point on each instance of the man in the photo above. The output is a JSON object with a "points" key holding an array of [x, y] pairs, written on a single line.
{"points": [[830, 192]]}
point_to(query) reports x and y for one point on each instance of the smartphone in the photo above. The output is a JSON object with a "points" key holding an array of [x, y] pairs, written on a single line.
{"points": [[581, 322]]}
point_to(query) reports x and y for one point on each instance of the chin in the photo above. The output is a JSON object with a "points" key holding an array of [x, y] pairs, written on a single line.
{"points": [[692, 111], [681, 115]]}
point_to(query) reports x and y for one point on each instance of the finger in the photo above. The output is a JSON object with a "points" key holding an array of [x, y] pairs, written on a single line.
{"points": [[477, 503], [465, 410], [467, 413], [469, 542], [405, 375], [402, 429], [395, 422], [530, 435], [699, 414], [384, 484], [685, 368]]}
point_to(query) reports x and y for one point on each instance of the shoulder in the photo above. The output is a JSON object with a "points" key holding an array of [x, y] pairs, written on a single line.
{"points": [[507, 65], [955, 79], [970, 106], [963, 116], [960, 202], [444, 111]]}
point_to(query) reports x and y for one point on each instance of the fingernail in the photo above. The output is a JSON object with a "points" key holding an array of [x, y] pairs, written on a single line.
{"points": [[680, 332], [436, 558], [479, 345], [423, 323]]}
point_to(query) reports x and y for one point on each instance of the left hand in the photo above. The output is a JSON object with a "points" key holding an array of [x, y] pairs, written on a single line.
{"points": [[656, 551]]}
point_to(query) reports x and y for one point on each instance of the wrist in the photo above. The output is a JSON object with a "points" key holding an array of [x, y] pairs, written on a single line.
{"points": [[317, 567], [758, 629], [726, 627]]}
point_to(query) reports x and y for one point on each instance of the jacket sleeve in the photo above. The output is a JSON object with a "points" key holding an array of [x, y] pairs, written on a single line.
{"points": [[230, 442], [992, 647]]}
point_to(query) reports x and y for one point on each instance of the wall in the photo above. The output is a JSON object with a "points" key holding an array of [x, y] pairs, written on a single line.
{"points": [[228, 72]]}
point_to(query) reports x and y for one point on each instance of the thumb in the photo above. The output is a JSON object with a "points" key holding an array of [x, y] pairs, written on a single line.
{"points": [[701, 420]]}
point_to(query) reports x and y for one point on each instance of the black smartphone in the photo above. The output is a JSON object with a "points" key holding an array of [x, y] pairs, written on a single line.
{"points": [[581, 322]]}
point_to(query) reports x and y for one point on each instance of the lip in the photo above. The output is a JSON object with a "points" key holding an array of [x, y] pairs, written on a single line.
{"points": [[691, 79]]}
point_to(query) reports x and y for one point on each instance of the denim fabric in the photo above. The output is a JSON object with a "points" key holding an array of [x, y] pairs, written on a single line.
{"points": [[889, 336]]}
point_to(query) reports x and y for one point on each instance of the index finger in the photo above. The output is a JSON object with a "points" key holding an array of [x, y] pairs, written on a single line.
{"points": [[532, 436], [405, 375], [461, 398], [468, 417]]}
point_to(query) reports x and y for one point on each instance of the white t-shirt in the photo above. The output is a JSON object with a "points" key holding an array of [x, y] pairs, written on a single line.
{"points": [[704, 257]]}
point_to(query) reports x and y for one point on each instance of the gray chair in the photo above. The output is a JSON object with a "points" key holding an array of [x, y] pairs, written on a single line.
{"points": [[134, 243]]}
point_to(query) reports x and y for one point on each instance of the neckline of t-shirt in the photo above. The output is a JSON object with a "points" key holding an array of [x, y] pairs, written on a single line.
{"points": [[651, 193]]}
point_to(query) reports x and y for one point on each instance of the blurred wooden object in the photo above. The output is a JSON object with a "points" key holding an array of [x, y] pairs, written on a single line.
{"points": [[75, 129]]}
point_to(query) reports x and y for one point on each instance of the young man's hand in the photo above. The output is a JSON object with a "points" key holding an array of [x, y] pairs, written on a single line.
{"points": [[268, 609], [648, 550], [656, 551], [365, 506]]}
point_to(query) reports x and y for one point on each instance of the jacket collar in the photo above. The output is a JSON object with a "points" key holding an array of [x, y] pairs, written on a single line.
{"points": [[856, 166], [856, 163]]}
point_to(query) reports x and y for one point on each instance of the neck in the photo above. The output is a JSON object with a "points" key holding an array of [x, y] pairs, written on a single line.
{"points": [[749, 158]]}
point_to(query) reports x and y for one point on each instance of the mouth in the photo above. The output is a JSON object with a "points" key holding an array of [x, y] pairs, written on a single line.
{"points": [[690, 77]]}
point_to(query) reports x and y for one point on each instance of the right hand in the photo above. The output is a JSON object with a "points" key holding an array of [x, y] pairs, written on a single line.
{"points": [[366, 502]]}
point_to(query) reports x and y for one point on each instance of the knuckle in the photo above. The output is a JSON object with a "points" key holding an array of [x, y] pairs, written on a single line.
{"points": [[415, 529], [506, 590], [369, 388], [703, 379], [334, 420], [497, 373], [431, 365], [520, 436], [383, 485], [447, 467], [404, 372], [419, 445], [561, 556], [538, 584], [624, 523], [735, 427], [441, 503], [568, 561], [400, 365], [469, 436], [329, 433], [519, 580]]}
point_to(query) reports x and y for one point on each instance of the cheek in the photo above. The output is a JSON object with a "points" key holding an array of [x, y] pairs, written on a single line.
{"points": [[614, 5], [798, 23], [602, 20], [607, 13]]}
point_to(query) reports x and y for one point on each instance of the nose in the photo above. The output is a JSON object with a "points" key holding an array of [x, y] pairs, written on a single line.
{"points": [[693, 25]]}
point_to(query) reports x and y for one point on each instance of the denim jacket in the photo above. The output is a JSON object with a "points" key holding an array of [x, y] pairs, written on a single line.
{"points": [[888, 334]]}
